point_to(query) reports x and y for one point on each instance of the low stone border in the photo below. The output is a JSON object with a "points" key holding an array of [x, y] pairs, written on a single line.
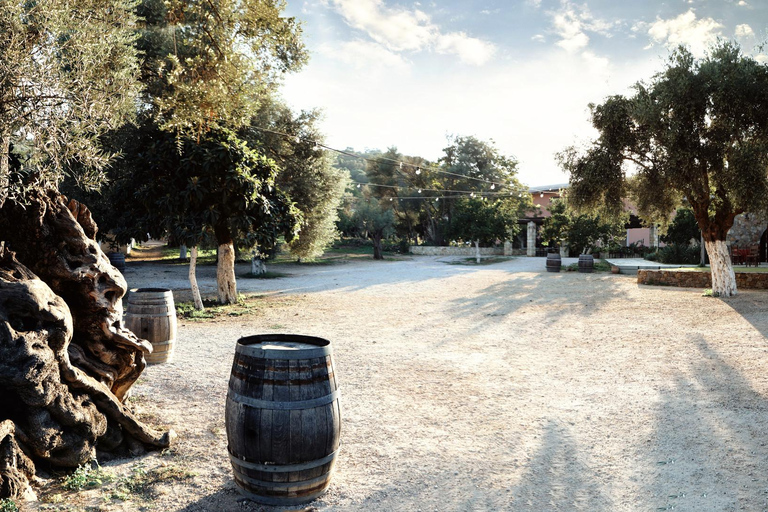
{"points": [[692, 279], [431, 250]]}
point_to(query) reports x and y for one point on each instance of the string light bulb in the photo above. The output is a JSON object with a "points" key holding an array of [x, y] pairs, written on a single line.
{"points": [[419, 191], [493, 186], [418, 170], [542, 194]]}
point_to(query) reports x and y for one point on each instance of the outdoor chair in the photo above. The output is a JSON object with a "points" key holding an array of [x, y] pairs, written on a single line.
{"points": [[752, 256], [738, 256]]}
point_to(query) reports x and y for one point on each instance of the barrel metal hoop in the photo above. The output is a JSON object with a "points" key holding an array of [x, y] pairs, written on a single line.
{"points": [[283, 406], [262, 353], [283, 468], [282, 486]]}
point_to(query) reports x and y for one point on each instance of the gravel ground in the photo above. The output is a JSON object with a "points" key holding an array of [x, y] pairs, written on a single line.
{"points": [[482, 388]]}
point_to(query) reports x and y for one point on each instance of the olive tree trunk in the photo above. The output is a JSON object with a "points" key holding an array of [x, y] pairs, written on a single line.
{"points": [[723, 277], [477, 250], [225, 274], [193, 279], [66, 359]]}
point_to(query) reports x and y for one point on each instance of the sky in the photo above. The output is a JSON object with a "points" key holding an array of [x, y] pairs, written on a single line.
{"points": [[520, 73]]}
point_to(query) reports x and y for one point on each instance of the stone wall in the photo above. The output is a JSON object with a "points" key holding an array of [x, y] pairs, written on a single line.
{"points": [[430, 250], [747, 230], [695, 279]]}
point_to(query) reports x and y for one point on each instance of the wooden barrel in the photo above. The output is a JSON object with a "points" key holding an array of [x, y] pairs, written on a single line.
{"points": [[283, 418], [117, 259], [553, 262], [151, 315], [586, 263]]}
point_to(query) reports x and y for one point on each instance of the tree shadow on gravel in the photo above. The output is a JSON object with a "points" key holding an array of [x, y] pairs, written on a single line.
{"points": [[557, 479], [708, 450], [561, 294], [752, 305]]}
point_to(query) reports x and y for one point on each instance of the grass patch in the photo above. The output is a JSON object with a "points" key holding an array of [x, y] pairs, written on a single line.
{"points": [[597, 266], [246, 305], [87, 476], [8, 505], [483, 261], [266, 275], [141, 482]]}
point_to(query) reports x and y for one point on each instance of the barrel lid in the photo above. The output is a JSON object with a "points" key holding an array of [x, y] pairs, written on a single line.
{"points": [[283, 346]]}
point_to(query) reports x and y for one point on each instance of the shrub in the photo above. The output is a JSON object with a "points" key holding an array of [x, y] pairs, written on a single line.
{"points": [[677, 253]]}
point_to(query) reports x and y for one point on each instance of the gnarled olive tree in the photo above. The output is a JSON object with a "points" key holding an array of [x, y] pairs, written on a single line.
{"points": [[699, 131]]}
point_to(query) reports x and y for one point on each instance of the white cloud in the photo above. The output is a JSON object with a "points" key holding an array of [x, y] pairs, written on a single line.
{"points": [[365, 55], [411, 30], [572, 23], [743, 3], [539, 38], [686, 29], [744, 31], [469, 49], [534, 3]]}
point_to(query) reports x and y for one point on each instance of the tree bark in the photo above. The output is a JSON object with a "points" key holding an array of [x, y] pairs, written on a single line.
{"points": [[193, 280], [5, 164], [66, 360], [723, 277], [225, 274], [477, 250], [182, 252], [377, 252]]}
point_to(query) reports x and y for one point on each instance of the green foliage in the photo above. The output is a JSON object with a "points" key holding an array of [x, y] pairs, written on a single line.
{"points": [[88, 476], [374, 222], [67, 77], [682, 229], [480, 221], [207, 64], [8, 505], [698, 129], [305, 173], [469, 166], [555, 227], [215, 186], [582, 231], [679, 253]]}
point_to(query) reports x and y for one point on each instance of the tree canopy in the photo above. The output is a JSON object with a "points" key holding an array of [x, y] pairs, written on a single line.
{"points": [[698, 130], [66, 77]]}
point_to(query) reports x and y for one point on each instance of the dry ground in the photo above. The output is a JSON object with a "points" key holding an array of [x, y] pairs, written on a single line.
{"points": [[482, 388]]}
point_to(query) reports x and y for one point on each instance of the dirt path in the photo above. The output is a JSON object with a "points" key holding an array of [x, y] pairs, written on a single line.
{"points": [[488, 388]]}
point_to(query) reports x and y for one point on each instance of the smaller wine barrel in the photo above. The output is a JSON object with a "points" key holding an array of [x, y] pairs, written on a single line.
{"points": [[586, 263], [283, 418], [553, 262], [117, 259], [151, 315]]}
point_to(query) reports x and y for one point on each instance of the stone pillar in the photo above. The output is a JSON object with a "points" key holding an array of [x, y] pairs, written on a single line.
{"points": [[531, 247]]}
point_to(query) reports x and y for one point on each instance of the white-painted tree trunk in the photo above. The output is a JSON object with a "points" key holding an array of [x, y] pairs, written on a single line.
{"points": [[477, 250], [723, 278], [258, 267], [225, 274], [193, 280]]}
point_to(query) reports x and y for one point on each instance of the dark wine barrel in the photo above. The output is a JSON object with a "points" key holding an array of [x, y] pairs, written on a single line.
{"points": [[553, 262], [586, 263], [117, 259], [283, 418], [151, 315]]}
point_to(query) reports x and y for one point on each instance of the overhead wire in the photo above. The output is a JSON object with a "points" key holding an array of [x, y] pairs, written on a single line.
{"points": [[398, 167]]}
